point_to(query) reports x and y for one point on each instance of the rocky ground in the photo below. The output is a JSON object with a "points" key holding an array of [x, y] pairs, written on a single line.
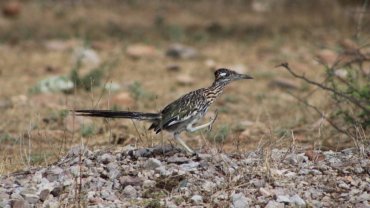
{"points": [[166, 177]]}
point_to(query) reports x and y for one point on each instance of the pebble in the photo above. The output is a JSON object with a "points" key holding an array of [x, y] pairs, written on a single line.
{"points": [[152, 163], [239, 200], [197, 199], [148, 184], [208, 186], [180, 51], [274, 204], [31, 198], [264, 192], [191, 166], [283, 198], [105, 158], [129, 180], [141, 51], [132, 174], [44, 194], [18, 204], [298, 201], [130, 192]]}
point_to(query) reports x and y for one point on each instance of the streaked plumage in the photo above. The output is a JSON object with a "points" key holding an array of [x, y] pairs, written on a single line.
{"points": [[181, 114]]}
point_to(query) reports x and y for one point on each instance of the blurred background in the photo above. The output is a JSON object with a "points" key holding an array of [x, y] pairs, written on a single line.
{"points": [[141, 55]]}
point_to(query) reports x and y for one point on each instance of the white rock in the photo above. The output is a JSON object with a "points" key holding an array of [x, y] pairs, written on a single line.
{"points": [[197, 199], [208, 186], [152, 164], [363, 197], [180, 51], [37, 177], [239, 200], [130, 192], [87, 56], [52, 203], [91, 195], [274, 204], [265, 192], [283, 198], [191, 166], [148, 183], [298, 201], [75, 170], [105, 158], [31, 198]]}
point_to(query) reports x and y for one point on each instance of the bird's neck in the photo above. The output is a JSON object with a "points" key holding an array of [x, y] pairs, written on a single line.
{"points": [[213, 91]]}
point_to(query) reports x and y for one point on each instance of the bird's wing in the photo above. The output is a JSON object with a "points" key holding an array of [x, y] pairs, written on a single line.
{"points": [[182, 109]]}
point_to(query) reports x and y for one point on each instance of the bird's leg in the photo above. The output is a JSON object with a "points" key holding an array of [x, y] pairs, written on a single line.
{"points": [[213, 120], [190, 127], [180, 141]]}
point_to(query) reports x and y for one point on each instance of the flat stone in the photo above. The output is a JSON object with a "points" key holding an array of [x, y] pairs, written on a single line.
{"points": [[141, 51], [298, 201], [191, 166], [152, 164], [16, 196], [208, 186], [180, 51], [258, 182], [31, 198], [53, 173], [196, 199], [129, 180], [4, 196], [283, 198], [149, 183], [239, 200], [363, 197], [177, 160], [19, 203], [264, 192], [57, 191], [105, 158], [274, 204], [105, 194], [44, 194], [75, 170], [52, 203]]}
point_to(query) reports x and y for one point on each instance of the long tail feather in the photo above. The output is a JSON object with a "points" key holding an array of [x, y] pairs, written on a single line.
{"points": [[119, 114]]}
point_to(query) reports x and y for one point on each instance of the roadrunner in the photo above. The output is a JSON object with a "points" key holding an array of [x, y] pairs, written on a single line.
{"points": [[183, 113]]}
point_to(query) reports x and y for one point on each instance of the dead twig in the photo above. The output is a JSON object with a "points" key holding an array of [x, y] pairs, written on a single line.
{"points": [[335, 126], [324, 87]]}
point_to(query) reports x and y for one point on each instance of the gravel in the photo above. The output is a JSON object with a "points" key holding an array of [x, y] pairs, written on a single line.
{"points": [[167, 177]]}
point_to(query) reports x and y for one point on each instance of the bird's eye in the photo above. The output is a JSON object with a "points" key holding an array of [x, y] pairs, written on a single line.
{"points": [[222, 74]]}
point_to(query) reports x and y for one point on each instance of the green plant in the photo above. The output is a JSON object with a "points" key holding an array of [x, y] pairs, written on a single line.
{"points": [[87, 130], [91, 79], [348, 88], [222, 133]]}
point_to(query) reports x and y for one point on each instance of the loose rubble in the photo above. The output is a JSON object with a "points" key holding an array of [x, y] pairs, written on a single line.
{"points": [[167, 177]]}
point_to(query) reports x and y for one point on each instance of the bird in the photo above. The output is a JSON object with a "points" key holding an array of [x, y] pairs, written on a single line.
{"points": [[181, 114]]}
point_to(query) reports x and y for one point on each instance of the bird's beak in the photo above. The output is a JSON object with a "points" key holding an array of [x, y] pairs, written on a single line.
{"points": [[244, 76]]}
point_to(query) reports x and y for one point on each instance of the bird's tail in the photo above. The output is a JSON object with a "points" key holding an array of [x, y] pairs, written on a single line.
{"points": [[119, 114]]}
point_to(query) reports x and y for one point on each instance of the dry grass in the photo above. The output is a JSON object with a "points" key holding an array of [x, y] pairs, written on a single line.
{"points": [[33, 131]]}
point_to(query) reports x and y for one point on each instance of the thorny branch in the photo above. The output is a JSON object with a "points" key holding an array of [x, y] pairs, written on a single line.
{"points": [[324, 87], [321, 114]]}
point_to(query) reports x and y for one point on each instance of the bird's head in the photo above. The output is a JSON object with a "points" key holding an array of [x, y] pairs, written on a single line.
{"points": [[226, 75]]}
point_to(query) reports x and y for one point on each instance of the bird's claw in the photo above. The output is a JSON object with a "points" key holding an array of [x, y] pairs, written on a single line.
{"points": [[213, 120]]}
